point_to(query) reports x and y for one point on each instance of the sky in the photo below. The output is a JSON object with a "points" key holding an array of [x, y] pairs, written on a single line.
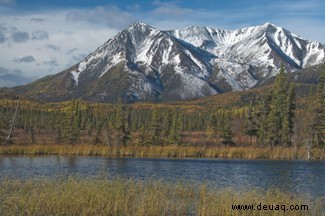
{"points": [[42, 37]]}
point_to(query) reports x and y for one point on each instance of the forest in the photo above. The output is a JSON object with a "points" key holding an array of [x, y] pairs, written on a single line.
{"points": [[271, 116]]}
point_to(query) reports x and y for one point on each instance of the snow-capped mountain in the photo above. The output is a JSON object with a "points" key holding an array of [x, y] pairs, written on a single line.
{"points": [[143, 63]]}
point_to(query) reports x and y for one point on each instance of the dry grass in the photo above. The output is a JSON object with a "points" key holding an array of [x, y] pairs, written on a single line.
{"points": [[277, 153], [74, 196]]}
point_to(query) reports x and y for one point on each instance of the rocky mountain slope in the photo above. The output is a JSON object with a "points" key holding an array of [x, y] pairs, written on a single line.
{"points": [[142, 63]]}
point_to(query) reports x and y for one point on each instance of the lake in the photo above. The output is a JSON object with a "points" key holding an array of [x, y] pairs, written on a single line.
{"points": [[301, 177]]}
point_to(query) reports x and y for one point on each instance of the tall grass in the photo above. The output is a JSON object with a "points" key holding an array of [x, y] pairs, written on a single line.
{"points": [[74, 196], [165, 151]]}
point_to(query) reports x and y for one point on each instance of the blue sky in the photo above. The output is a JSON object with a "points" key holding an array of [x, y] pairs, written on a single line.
{"points": [[40, 37]]}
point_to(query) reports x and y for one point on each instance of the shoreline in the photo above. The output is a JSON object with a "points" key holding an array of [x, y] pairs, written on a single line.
{"points": [[169, 151]]}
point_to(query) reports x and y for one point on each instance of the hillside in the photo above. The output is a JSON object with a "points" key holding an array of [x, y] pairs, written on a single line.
{"points": [[142, 63]]}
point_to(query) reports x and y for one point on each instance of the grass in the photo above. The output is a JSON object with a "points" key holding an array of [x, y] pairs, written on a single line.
{"points": [[101, 196], [277, 153]]}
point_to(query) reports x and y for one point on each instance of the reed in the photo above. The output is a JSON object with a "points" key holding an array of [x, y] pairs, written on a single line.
{"points": [[277, 153], [102, 196]]}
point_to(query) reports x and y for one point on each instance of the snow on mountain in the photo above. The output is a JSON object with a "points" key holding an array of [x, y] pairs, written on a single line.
{"points": [[262, 49], [144, 63]]}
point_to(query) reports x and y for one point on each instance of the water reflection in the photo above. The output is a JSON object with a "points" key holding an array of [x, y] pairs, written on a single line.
{"points": [[293, 176]]}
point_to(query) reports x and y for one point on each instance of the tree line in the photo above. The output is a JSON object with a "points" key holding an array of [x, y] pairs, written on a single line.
{"points": [[271, 119]]}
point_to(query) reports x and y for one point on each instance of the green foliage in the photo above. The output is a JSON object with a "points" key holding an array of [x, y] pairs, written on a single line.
{"points": [[317, 112], [261, 116], [271, 118], [122, 124], [250, 125], [175, 129], [226, 132], [282, 106], [289, 115], [71, 123], [213, 126], [154, 130], [277, 116]]}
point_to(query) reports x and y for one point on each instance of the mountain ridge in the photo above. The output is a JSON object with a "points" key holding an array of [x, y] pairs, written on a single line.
{"points": [[142, 63]]}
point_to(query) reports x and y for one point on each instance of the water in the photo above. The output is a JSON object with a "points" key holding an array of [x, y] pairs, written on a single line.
{"points": [[300, 177]]}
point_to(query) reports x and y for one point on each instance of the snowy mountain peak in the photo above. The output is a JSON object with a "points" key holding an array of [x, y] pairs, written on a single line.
{"points": [[139, 26], [200, 58], [268, 24], [145, 63]]}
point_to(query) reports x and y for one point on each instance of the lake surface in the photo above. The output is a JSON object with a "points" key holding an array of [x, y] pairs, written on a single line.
{"points": [[300, 177]]}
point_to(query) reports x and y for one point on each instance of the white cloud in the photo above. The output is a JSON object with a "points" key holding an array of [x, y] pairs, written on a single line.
{"points": [[33, 19], [14, 77], [53, 41], [53, 47], [25, 59], [40, 35], [20, 36]]}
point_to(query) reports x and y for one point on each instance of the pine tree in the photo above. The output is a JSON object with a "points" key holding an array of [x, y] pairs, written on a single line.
{"points": [[282, 106], [58, 124], [226, 129], [289, 114], [122, 124], [167, 124], [154, 132], [261, 118], [276, 119], [318, 112], [213, 126], [250, 124], [175, 129], [71, 124]]}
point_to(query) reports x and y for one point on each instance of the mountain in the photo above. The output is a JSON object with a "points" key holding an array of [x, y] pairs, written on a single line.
{"points": [[142, 63]]}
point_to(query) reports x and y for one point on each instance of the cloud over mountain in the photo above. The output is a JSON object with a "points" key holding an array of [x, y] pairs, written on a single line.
{"points": [[40, 35], [10, 78], [25, 59], [20, 36]]}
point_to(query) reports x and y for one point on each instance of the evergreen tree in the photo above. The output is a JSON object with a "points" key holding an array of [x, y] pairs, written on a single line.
{"points": [[290, 114], [226, 128], [250, 125], [318, 112], [261, 118], [175, 129], [277, 114], [58, 127], [99, 128], [154, 132], [212, 129], [71, 124], [122, 124], [167, 123]]}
